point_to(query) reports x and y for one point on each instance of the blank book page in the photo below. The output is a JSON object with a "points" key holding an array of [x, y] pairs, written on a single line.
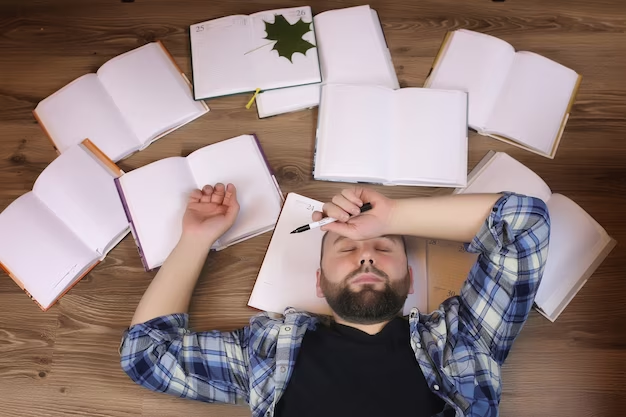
{"points": [[239, 161], [149, 91], [84, 110], [41, 251], [157, 196], [83, 195], [533, 102]]}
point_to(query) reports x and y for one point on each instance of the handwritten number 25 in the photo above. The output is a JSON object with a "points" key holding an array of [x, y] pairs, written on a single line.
{"points": [[200, 28]]}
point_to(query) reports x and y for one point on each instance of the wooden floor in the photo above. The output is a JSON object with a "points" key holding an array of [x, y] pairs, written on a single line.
{"points": [[64, 362]]}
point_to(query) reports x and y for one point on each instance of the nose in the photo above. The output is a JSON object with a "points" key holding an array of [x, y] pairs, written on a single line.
{"points": [[371, 261]]}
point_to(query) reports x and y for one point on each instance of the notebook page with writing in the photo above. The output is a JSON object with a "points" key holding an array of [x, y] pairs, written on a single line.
{"points": [[429, 141], [82, 194], [274, 71], [240, 162], [533, 101], [84, 109], [218, 57], [576, 240], [353, 120], [150, 91], [475, 63], [503, 173], [157, 196], [287, 277], [448, 266], [42, 252], [351, 49]]}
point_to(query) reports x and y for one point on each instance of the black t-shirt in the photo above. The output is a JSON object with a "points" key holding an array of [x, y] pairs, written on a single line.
{"points": [[342, 371]]}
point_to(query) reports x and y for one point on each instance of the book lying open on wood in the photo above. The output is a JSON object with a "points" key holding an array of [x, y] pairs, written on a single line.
{"points": [[518, 97], [352, 50], [410, 136], [578, 244], [265, 50], [288, 274], [155, 196], [133, 100], [55, 234]]}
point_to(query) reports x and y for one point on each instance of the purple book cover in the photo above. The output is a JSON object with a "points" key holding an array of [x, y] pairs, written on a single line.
{"points": [[120, 191]]}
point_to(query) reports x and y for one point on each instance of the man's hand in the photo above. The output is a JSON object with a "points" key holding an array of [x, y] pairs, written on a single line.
{"points": [[210, 213], [353, 224]]}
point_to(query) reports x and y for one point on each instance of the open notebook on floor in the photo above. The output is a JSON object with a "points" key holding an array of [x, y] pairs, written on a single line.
{"points": [[352, 50], [155, 196], [55, 234], [410, 136], [520, 98], [578, 244], [287, 276], [133, 100], [265, 50]]}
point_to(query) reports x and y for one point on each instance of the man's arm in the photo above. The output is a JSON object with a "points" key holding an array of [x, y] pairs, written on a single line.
{"points": [[158, 351]]}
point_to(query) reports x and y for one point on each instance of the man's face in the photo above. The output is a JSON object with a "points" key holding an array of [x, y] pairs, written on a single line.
{"points": [[364, 281]]}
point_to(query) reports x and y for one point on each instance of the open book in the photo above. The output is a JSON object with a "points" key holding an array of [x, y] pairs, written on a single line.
{"points": [[55, 234], [155, 196], [578, 244], [520, 98], [287, 276], [133, 100], [266, 50], [352, 50], [410, 136]]}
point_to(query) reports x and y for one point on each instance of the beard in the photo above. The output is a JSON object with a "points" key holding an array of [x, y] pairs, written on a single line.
{"points": [[368, 305]]}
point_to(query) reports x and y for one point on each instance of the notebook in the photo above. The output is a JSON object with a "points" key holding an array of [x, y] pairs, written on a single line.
{"points": [[578, 244], [56, 233], [133, 100], [518, 97], [288, 274], [352, 50], [155, 196], [265, 50], [410, 136]]}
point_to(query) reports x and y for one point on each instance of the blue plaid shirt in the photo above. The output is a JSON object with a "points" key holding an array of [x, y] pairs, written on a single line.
{"points": [[460, 347]]}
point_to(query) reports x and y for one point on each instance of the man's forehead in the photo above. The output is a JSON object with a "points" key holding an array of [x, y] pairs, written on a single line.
{"points": [[334, 238]]}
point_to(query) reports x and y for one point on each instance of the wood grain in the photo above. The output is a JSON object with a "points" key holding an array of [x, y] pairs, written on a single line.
{"points": [[65, 363]]}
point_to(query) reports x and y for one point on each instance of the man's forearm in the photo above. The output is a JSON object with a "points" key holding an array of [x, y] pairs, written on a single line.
{"points": [[453, 217], [170, 290]]}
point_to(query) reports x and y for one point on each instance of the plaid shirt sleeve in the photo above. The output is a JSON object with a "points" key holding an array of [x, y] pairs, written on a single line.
{"points": [[162, 355], [513, 246]]}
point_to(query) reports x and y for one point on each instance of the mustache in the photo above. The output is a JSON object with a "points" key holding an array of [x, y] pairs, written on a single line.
{"points": [[367, 269]]}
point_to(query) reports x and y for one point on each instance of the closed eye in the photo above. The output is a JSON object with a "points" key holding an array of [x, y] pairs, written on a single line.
{"points": [[348, 249], [383, 250]]}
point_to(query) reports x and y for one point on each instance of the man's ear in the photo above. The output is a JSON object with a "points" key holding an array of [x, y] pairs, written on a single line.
{"points": [[318, 287], [411, 290]]}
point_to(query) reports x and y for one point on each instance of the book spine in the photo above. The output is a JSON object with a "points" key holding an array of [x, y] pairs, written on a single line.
{"points": [[269, 167], [101, 156], [73, 285], [133, 231], [572, 99], [45, 131], [21, 285], [442, 48]]}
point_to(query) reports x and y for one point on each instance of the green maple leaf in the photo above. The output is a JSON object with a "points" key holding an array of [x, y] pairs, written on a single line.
{"points": [[288, 37]]}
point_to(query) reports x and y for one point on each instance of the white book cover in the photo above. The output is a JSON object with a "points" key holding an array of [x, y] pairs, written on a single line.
{"points": [[155, 196], [287, 277], [132, 100], [410, 136], [520, 97], [62, 228], [266, 50], [352, 50]]}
